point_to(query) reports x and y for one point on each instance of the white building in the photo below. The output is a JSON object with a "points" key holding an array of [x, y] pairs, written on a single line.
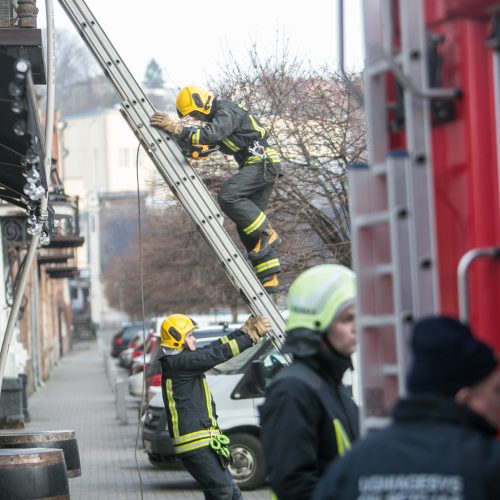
{"points": [[100, 158]]}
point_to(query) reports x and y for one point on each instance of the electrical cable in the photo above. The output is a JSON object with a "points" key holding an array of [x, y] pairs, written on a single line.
{"points": [[139, 421]]}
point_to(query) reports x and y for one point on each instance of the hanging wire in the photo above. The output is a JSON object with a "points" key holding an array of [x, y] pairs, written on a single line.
{"points": [[139, 422]]}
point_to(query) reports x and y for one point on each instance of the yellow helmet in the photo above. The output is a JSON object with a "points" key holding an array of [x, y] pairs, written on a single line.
{"points": [[194, 101], [174, 329]]}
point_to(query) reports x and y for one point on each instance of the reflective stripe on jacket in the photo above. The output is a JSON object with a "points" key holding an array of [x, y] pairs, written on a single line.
{"points": [[191, 415]]}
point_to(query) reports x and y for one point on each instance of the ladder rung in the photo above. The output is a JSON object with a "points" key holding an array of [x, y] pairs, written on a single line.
{"points": [[382, 65], [377, 422], [376, 68], [384, 269], [390, 370], [369, 220], [379, 168], [377, 321]]}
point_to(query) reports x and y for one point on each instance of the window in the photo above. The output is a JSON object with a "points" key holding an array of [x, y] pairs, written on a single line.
{"points": [[234, 365], [272, 363]]}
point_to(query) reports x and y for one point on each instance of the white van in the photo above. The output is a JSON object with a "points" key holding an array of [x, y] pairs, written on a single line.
{"points": [[237, 387]]}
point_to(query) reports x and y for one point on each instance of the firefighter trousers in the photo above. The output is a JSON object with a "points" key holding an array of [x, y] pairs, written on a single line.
{"points": [[244, 198], [215, 480]]}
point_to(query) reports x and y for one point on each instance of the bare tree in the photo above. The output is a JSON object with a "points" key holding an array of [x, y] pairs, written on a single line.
{"points": [[153, 77], [180, 273], [318, 129]]}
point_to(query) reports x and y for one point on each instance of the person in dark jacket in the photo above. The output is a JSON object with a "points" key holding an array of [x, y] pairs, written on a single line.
{"points": [[234, 131], [191, 412], [441, 444], [309, 417]]}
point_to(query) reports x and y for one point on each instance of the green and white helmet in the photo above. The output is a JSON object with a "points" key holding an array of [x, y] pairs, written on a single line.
{"points": [[318, 295]]}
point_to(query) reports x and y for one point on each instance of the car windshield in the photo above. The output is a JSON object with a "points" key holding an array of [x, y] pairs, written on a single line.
{"points": [[131, 331], [234, 365]]}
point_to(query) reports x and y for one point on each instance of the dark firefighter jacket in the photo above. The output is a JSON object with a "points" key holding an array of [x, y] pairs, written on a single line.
{"points": [[232, 128], [299, 435], [435, 449], [191, 416]]}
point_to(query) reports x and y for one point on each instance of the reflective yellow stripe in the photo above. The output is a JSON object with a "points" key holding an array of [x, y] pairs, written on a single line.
{"points": [[194, 436], [343, 441], [208, 398], [273, 154], [195, 138], [256, 126], [224, 339], [255, 224], [234, 347], [267, 265], [252, 159], [230, 144], [192, 446], [173, 409]]}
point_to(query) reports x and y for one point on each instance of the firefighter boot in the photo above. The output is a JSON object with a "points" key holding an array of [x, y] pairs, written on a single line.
{"points": [[271, 284], [267, 238]]}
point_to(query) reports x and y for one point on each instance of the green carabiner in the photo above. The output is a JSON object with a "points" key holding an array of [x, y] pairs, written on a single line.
{"points": [[224, 451], [215, 445], [223, 439]]}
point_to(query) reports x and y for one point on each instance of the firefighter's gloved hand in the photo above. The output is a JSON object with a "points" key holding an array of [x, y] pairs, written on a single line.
{"points": [[257, 327], [170, 125]]}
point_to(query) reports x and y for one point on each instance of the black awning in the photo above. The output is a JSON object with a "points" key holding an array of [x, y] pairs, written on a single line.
{"points": [[62, 272], [21, 142], [69, 241]]}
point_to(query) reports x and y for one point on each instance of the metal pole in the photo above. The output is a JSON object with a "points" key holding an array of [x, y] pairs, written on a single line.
{"points": [[350, 86]]}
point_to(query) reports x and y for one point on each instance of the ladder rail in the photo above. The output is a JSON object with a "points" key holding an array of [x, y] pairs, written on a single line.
{"points": [[182, 179], [417, 124]]}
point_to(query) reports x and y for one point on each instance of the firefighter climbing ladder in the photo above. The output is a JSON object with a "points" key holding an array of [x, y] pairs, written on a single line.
{"points": [[174, 168], [392, 207]]}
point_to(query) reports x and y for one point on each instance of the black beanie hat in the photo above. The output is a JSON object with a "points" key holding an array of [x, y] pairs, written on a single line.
{"points": [[447, 357]]}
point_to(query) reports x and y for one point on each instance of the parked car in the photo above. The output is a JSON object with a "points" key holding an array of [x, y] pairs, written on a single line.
{"points": [[135, 351], [237, 387], [120, 341]]}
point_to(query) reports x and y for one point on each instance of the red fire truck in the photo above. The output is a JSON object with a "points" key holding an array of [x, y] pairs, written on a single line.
{"points": [[426, 207]]}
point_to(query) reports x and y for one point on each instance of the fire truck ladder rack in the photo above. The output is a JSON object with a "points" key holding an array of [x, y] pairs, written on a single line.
{"points": [[183, 181], [392, 209]]}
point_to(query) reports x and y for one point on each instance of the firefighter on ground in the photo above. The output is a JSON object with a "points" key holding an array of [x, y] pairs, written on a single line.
{"points": [[245, 196], [309, 417], [191, 413], [442, 441]]}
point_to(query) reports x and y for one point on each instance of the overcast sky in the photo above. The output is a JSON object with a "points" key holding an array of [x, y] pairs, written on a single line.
{"points": [[190, 40]]}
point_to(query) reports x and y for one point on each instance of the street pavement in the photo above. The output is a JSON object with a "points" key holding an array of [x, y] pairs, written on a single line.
{"points": [[79, 397]]}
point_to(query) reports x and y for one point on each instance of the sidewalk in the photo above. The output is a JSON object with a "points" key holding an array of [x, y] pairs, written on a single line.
{"points": [[79, 397]]}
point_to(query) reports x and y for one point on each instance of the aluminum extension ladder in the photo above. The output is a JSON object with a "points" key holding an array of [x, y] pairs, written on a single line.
{"points": [[183, 181], [392, 214]]}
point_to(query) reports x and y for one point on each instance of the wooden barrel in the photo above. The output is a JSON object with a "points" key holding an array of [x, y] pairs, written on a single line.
{"points": [[33, 473], [64, 440]]}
